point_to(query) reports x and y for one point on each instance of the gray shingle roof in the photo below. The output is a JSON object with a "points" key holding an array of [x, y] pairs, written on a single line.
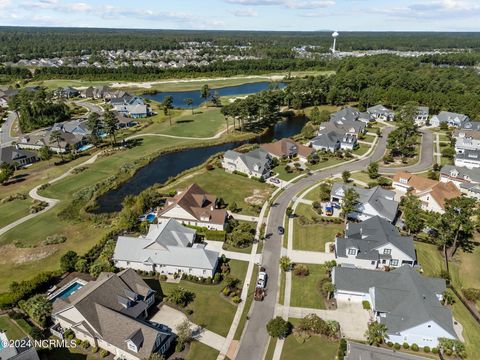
{"points": [[469, 155], [167, 243], [380, 199], [327, 140], [356, 351], [11, 155], [257, 160], [445, 116], [408, 298], [471, 125], [463, 173], [371, 234], [379, 109]]}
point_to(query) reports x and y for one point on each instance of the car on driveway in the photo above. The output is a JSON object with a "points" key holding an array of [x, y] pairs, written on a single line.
{"points": [[281, 230], [274, 180], [262, 278]]}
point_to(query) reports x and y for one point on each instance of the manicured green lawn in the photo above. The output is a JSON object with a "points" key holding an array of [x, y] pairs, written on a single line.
{"points": [[205, 123], [305, 290], [471, 329], [362, 149], [13, 210], [13, 331], [361, 176], [248, 304], [315, 348], [429, 258], [369, 138], [284, 175], [271, 348], [210, 308], [230, 187], [281, 297], [201, 351], [325, 164], [443, 137], [312, 237]]}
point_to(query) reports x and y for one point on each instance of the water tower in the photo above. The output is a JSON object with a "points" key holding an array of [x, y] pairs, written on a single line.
{"points": [[334, 35]]}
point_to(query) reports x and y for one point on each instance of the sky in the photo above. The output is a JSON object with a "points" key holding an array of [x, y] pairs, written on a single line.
{"points": [[289, 15]]}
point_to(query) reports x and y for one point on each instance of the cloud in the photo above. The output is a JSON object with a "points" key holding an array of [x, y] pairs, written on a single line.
{"points": [[245, 12], [290, 4], [4, 3], [54, 5], [439, 9]]}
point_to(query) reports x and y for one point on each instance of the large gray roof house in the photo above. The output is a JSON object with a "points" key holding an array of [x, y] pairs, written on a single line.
{"points": [[374, 243], [371, 202], [256, 163], [110, 314], [407, 303], [168, 248]]}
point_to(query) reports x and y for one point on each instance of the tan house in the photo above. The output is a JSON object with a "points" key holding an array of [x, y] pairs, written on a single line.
{"points": [[433, 194], [110, 313], [287, 148], [194, 206]]}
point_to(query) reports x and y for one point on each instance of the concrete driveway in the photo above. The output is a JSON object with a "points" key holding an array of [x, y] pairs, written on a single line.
{"points": [[352, 317], [173, 318]]}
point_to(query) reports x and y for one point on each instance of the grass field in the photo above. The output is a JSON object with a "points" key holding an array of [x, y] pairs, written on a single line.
{"points": [[324, 164], [362, 149], [13, 331], [305, 290], [284, 175], [210, 308], [201, 351], [205, 123], [361, 176], [369, 138], [471, 329], [312, 237], [230, 187], [315, 348], [13, 210], [270, 349]]}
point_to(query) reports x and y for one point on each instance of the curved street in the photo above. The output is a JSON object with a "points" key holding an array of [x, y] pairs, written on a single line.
{"points": [[255, 339]]}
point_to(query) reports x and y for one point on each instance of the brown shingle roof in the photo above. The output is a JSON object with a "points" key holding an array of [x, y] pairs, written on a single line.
{"points": [[197, 203], [442, 192], [283, 148], [419, 183]]}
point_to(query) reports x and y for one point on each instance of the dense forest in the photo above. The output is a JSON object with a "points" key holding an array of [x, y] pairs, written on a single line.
{"points": [[37, 109], [49, 42]]}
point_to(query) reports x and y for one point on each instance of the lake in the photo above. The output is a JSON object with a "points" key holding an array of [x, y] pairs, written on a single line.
{"points": [[171, 164], [180, 96]]}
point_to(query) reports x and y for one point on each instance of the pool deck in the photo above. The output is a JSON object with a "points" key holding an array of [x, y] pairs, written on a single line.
{"points": [[58, 291], [67, 281]]}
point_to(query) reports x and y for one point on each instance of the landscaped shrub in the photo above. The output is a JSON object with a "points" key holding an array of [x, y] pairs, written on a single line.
{"points": [[390, 344], [397, 346], [426, 349], [366, 305], [69, 334], [104, 353], [342, 349], [94, 349], [405, 345], [226, 291], [301, 336], [55, 239], [471, 294], [435, 350], [85, 344], [301, 270], [78, 342], [415, 347], [236, 299]]}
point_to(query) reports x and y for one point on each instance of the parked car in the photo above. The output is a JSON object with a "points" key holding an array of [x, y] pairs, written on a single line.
{"points": [[281, 230], [262, 278], [275, 181], [329, 209]]}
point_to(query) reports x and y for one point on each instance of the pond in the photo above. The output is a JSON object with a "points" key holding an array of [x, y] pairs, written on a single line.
{"points": [[171, 164], [180, 96]]}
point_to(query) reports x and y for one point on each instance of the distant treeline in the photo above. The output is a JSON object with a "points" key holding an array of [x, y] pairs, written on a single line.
{"points": [[56, 42]]}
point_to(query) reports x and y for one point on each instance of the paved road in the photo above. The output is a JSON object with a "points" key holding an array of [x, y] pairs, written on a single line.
{"points": [[5, 137], [90, 106], [253, 343]]}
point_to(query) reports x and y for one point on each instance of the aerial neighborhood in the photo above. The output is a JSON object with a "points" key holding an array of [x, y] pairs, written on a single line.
{"points": [[176, 194]]}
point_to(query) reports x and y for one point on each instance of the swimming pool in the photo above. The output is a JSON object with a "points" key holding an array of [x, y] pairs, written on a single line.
{"points": [[66, 292], [84, 147], [151, 217]]}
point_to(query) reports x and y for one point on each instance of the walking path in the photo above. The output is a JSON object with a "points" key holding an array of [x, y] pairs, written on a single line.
{"points": [[51, 202], [214, 137]]}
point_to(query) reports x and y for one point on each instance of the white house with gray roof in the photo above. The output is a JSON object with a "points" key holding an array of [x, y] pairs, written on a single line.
{"points": [[110, 313], [468, 158], [168, 248], [380, 112], [256, 163], [407, 303], [373, 244], [451, 118], [467, 180], [371, 202], [421, 117]]}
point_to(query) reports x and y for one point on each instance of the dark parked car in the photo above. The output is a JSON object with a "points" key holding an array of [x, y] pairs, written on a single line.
{"points": [[281, 230]]}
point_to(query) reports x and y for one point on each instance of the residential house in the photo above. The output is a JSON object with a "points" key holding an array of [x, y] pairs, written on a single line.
{"points": [[18, 349], [357, 351], [421, 116], [68, 142], [168, 249], [459, 175], [132, 106], [194, 206], [327, 141], [380, 112], [287, 148], [371, 202], [452, 119], [466, 140], [470, 126], [350, 114], [407, 303], [66, 92], [16, 157], [341, 134], [110, 313], [3, 101], [75, 127], [88, 92], [256, 163], [431, 193], [468, 158], [372, 244]]}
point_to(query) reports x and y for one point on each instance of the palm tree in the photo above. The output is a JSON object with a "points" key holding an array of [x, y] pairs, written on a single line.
{"points": [[205, 92], [376, 333], [94, 124], [56, 137]]}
